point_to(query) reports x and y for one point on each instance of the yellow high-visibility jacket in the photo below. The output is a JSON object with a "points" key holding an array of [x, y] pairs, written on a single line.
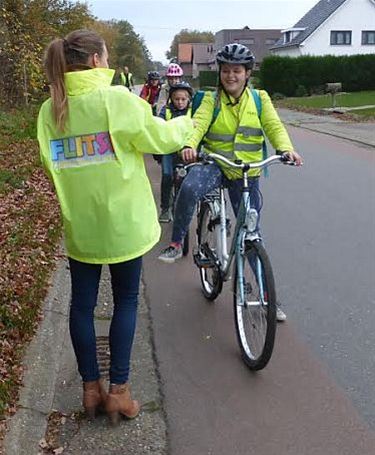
{"points": [[237, 132], [97, 166]]}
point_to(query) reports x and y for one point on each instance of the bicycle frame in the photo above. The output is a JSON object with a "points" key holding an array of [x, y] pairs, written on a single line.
{"points": [[218, 205], [246, 222]]}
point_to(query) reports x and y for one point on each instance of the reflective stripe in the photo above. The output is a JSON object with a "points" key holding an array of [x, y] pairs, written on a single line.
{"points": [[247, 147], [229, 155], [220, 137], [248, 131]]}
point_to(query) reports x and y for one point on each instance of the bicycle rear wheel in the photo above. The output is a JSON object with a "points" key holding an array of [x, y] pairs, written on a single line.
{"points": [[207, 262], [255, 306]]}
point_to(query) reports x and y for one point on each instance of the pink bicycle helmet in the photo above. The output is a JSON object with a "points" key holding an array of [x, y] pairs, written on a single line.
{"points": [[174, 70]]}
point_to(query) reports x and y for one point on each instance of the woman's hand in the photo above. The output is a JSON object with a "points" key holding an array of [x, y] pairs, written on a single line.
{"points": [[294, 157], [189, 155]]}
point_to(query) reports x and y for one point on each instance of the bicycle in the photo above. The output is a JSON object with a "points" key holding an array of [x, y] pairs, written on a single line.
{"points": [[254, 294]]}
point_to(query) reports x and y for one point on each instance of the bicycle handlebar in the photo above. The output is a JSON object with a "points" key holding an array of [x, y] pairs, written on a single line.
{"points": [[247, 166], [206, 158]]}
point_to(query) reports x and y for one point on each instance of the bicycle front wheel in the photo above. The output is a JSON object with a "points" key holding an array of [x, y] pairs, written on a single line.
{"points": [[209, 269], [255, 306]]}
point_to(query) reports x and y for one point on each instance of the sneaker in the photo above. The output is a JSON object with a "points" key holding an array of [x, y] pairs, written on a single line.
{"points": [[170, 254], [165, 216], [280, 315]]}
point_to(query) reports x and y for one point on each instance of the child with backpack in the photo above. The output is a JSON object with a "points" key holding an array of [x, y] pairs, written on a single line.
{"points": [[174, 74], [151, 90], [178, 104], [237, 132]]}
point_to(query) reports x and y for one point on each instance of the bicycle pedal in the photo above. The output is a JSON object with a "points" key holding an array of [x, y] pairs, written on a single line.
{"points": [[203, 263]]}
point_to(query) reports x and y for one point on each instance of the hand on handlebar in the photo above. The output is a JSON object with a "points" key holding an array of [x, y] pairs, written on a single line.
{"points": [[293, 157], [189, 155]]}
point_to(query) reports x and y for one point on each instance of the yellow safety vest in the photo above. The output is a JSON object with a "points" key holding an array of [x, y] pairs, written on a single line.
{"points": [[168, 113], [237, 132]]}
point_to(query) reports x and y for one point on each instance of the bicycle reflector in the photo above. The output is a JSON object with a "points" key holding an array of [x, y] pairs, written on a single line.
{"points": [[181, 172], [251, 219]]}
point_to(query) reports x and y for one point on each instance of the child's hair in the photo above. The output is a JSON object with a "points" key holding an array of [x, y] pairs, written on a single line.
{"points": [[68, 54]]}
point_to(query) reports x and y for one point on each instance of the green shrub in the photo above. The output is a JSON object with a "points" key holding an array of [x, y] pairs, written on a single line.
{"points": [[286, 74], [301, 91], [255, 82], [207, 78], [277, 96]]}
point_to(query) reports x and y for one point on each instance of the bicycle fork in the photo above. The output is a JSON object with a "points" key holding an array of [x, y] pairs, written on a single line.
{"points": [[222, 233], [257, 269]]}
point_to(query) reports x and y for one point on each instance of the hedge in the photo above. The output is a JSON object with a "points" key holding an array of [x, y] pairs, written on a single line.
{"points": [[207, 78], [285, 74]]}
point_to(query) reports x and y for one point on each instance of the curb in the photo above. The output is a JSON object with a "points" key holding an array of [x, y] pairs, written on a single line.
{"points": [[52, 382], [328, 133], [42, 361]]}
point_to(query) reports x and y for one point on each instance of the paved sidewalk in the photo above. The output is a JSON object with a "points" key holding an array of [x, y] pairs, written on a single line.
{"points": [[52, 385], [363, 133]]}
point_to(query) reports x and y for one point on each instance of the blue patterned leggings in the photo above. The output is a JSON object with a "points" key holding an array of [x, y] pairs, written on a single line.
{"points": [[200, 181]]}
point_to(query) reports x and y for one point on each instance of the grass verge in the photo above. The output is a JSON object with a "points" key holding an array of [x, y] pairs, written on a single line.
{"points": [[317, 102], [30, 230]]}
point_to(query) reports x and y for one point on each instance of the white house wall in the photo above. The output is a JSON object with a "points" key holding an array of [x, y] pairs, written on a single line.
{"points": [[354, 15], [288, 51]]}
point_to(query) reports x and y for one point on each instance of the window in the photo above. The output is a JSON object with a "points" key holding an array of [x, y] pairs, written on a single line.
{"points": [[341, 38], [271, 41], [368, 37], [287, 37], [247, 41]]}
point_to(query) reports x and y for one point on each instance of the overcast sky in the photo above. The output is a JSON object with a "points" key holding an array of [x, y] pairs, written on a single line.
{"points": [[158, 21]]}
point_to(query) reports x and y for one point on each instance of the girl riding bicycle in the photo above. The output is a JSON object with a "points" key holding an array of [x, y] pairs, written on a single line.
{"points": [[174, 74], [151, 90], [236, 132], [178, 104]]}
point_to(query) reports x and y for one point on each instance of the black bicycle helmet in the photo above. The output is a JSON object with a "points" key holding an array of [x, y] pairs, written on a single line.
{"points": [[236, 54], [181, 86], [153, 75]]}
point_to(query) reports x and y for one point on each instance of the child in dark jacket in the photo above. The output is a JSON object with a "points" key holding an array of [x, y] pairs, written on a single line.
{"points": [[178, 103], [151, 90]]}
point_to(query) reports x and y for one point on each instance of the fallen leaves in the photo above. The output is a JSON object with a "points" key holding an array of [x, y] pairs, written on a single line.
{"points": [[29, 245], [51, 443]]}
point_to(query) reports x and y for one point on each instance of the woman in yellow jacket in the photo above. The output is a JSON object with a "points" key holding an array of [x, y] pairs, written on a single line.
{"points": [[91, 137], [236, 133]]}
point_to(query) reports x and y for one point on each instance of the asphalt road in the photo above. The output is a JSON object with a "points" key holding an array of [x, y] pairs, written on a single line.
{"points": [[317, 394]]}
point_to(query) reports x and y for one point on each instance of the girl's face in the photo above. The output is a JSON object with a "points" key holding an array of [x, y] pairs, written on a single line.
{"points": [[173, 80], [154, 82], [180, 99], [233, 78]]}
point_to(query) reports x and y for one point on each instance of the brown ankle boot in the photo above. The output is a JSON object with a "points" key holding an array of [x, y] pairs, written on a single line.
{"points": [[94, 396], [119, 402]]}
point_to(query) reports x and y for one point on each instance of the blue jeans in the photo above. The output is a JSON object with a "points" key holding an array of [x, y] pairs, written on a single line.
{"points": [[125, 277], [167, 166], [200, 181]]}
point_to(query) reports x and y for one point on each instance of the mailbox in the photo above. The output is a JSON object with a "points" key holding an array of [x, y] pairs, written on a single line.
{"points": [[333, 87]]}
